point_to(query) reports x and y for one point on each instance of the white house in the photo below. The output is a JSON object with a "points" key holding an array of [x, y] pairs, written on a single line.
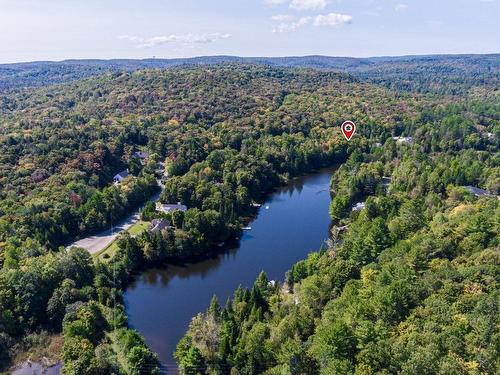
{"points": [[358, 206], [403, 140], [170, 207]]}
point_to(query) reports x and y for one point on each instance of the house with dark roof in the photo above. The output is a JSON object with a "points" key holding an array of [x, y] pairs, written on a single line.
{"points": [[141, 155], [386, 181], [158, 224], [119, 177], [476, 191]]}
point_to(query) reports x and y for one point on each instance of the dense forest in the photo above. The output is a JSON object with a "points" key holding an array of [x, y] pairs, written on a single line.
{"points": [[433, 73], [408, 286]]}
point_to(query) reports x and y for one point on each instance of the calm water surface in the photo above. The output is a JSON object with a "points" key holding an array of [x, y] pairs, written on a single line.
{"points": [[293, 222]]}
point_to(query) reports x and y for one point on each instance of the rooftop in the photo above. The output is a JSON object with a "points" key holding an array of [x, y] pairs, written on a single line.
{"points": [[403, 139], [358, 206], [476, 191], [165, 207], [141, 154], [122, 174], [158, 224]]}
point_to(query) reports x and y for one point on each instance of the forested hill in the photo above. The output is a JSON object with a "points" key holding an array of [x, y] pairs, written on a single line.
{"points": [[392, 71], [62, 145], [227, 134], [407, 283]]}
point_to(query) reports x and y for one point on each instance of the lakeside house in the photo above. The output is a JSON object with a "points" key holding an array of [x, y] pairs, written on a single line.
{"points": [[157, 225], [338, 229], [358, 206], [167, 208], [403, 140], [119, 177], [477, 191]]}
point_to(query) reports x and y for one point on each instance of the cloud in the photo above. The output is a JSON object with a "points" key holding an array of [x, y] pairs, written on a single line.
{"points": [[401, 7], [331, 19], [173, 38], [308, 4], [291, 26], [282, 18]]}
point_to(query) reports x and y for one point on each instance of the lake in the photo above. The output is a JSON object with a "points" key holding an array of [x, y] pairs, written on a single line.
{"points": [[292, 222]]}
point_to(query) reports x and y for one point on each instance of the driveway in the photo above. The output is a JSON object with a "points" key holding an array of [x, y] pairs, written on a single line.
{"points": [[97, 242]]}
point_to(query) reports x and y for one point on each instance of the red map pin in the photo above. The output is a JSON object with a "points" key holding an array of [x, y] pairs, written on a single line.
{"points": [[348, 128]]}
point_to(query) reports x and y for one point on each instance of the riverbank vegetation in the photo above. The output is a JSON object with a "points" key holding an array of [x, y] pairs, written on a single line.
{"points": [[408, 284], [228, 134], [81, 134]]}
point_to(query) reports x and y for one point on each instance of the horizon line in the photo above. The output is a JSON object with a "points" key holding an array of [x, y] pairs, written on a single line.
{"points": [[250, 57]]}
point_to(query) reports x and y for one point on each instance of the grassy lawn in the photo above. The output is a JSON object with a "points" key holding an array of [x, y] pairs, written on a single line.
{"points": [[138, 228], [110, 250]]}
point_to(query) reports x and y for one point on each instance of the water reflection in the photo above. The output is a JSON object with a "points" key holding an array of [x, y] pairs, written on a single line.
{"points": [[161, 302]]}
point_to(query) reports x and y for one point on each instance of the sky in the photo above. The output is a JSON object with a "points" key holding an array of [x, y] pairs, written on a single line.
{"points": [[34, 30]]}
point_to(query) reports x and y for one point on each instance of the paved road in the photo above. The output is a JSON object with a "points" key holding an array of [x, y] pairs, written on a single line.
{"points": [[94, 244], [98, 242]]}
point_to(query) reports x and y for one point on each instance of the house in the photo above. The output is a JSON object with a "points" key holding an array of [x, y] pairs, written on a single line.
{"points": [[358, 206], [403, 140], [158, 225], [141, 155], [167, 208], [121, 176], [476, 191]]}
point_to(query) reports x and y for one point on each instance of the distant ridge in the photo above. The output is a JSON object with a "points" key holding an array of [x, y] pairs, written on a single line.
{"points": [[40, 73], [301, 61]]}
